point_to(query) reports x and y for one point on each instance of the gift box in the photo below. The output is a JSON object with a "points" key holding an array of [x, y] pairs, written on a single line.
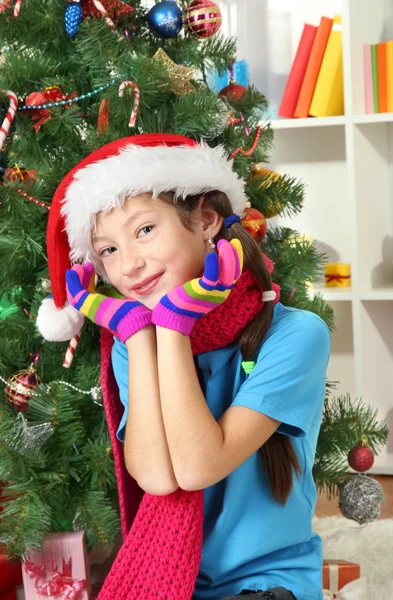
{"points": [[338, 275], [10, 572], [60, 568], [338, 573]]}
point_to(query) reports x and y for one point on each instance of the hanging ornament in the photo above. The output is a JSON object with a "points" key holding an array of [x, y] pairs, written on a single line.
{"points": [[254, 223], [52, 94], [202, 18], [72, 17], [28, 441], [232, 120], [137, 95], [16, 174], [272, 207], [360, 499], [179, 76], [103, 116], [20, 387], [7, 3], [9, 117], [165, 19], [233, 92], [361, 457], [115, 9]]}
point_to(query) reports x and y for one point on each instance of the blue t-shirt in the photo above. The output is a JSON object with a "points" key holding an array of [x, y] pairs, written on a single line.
{"points": [[250, 541]]}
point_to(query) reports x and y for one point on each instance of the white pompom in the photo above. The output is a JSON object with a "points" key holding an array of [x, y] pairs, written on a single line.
{"points": [[58, 325]]}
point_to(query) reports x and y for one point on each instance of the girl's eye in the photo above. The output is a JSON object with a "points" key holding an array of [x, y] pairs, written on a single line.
{"points": [[107, 251], [148, 228]]}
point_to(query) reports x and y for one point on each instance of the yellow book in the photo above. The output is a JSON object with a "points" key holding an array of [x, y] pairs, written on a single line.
{"points": [[328, 98], [389, 74]]}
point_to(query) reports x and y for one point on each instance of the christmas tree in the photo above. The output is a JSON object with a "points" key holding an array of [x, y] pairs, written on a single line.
{"points": [[76, 76]]}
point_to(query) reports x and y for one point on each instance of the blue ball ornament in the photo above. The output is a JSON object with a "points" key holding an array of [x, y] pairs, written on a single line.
{"points": [[165, 19], [72, 17]]}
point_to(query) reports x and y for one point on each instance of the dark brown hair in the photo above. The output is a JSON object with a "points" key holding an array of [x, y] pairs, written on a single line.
{"points": [[277, 453]]}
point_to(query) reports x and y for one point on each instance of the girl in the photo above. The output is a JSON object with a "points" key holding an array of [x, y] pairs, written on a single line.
{"points": [[222, 386]]}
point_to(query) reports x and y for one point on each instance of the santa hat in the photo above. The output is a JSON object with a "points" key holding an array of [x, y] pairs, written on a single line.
{"points": [[103, 180]]}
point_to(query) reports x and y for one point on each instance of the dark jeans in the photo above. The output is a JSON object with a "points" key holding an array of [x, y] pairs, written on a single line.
{"points": [[278, 593]]}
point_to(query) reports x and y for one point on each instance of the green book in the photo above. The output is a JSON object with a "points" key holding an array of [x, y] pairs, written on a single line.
{"points": [[375, 75]]}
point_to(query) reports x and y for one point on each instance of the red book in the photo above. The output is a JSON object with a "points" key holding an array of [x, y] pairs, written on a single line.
{"points": [[313, 67], [298, 70]]}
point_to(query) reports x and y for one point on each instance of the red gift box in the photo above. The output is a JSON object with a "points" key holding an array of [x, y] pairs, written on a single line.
{"points": [[10, 572], [337, 573]]}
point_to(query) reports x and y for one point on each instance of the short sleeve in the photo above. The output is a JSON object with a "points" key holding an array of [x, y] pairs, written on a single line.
{"points": [[120, 370], [288, 382]]}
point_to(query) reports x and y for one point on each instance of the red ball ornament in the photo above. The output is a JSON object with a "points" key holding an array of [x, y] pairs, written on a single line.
{"points": [[202, 18], [254, 223], [233, 92], [20, 387], [361, 458]]}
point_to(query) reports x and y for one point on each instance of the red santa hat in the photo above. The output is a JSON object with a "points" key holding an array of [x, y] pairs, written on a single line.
{"points": [[103, 180]]}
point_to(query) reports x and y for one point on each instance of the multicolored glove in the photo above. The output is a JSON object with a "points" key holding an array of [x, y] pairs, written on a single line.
{"points": [[122, 316], [180, 309]]}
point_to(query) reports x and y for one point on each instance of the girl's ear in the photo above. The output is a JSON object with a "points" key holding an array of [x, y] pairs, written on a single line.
{"points": [[211, 220]]}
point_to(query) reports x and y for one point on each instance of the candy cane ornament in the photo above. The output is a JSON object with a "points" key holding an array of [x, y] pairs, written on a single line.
{"points": [[72, 346], [137, 95], [5, 127], [109, 21], [6, 4]]}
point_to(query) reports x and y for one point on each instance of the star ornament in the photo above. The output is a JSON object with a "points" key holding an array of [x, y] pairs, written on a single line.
{"points": [[179, 76]]}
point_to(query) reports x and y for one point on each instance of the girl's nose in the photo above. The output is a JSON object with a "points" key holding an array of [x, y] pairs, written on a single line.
{"points": [[130, 264]]}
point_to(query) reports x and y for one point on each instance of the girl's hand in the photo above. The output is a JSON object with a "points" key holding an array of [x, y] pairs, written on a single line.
{"points": [[122, 316], [180, 309]]}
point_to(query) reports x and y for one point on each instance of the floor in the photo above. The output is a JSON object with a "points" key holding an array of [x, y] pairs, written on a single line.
{"points": [[326, 508]]}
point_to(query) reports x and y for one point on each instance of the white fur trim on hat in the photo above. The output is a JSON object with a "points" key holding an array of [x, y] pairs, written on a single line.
{"points": [[105, 184], [58, 325]]}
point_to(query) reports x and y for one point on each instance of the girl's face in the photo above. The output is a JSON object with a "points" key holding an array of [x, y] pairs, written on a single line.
{"points": [[146, 250]]}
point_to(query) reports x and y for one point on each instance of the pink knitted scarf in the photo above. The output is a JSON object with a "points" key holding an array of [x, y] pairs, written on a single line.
{"points": [[163, 535]]}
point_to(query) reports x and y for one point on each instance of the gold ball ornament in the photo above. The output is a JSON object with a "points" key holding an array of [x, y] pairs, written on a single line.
{"points": [[254, 222], [20, 387], [268, 176]]}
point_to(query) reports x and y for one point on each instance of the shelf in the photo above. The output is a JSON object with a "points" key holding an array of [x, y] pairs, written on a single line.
{"points": [[309, 122], [381, 293], [376, 118], [333, 294]]}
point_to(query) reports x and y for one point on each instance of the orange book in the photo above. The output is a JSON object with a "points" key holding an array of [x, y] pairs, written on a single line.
{"points": [[389, 71], [313, 67], [382, 72]]}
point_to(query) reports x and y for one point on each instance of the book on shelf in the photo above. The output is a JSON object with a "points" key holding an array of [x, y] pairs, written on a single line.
{"points": [[378, 77], [368, 78], [313, 67], [389, 75], [297, 72], [381, 77], [328, 98], [375, 75]]}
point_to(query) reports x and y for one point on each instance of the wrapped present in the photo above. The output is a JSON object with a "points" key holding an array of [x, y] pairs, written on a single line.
{"points": [[59, 569], [338, 275], [10, 572], [338, 573]]}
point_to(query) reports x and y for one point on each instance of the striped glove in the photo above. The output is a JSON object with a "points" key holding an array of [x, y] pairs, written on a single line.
{"points": [[122, 316], [180, 309]]}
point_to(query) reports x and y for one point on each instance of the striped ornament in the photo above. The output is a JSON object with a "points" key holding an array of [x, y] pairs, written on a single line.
{"points": [[5, 127]]}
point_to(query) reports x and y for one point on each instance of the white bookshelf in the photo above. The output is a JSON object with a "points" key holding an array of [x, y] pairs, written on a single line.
{"points": [[346, 163]]}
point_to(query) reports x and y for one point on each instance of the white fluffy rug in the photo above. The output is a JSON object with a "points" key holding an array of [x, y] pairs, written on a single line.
{"points": [[369, 545]]}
